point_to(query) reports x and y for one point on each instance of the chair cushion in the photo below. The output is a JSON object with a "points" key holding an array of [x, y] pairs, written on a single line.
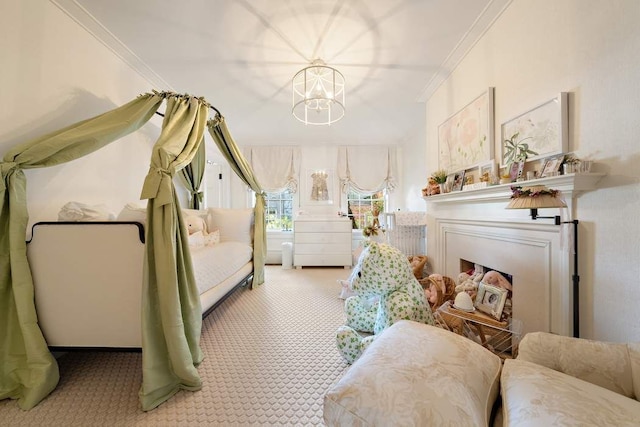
{"points": [[416, 374], [534, 395]]}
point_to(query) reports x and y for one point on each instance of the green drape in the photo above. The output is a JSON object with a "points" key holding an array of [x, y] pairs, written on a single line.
{"points": [[218, 129], [171, 311], [191, 176], [171, 299], [28, 372]]}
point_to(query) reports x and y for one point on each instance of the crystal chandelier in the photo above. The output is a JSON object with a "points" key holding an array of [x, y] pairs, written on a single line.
{"points": [[318, 94]]}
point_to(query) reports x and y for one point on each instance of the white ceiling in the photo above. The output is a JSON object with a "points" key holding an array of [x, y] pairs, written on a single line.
{"points": [[241, 55]]}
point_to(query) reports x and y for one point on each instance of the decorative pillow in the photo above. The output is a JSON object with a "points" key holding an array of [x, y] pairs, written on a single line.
{"points": [[235, 225], [197, 240], [416, 375], [76, 211], [213, 238], [133, 212]]}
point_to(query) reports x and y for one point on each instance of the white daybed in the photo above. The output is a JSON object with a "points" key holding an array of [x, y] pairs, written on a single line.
{"points": [[88, 275]]}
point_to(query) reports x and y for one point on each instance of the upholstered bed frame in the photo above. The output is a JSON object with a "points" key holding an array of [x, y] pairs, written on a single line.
{"points": [[88, 282]]}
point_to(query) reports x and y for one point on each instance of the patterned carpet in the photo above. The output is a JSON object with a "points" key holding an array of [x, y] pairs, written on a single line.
{"points": [[270, 355]]}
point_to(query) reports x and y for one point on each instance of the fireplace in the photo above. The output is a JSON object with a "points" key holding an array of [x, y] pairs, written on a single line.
{"points": [[475, 226]]}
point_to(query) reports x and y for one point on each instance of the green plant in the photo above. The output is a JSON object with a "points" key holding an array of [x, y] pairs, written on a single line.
{"points": [[439, 176], [516, 151]]}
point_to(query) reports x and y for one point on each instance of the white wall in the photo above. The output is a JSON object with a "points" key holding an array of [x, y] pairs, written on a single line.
{"points": [[54, 73], [589, 48]]}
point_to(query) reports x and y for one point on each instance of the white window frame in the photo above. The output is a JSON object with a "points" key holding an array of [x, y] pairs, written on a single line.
{"points": [[358, 218]]}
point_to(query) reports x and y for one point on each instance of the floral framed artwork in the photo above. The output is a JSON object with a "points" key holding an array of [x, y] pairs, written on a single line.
{"points": [[465, 139], [543, 130], [491, 299]]}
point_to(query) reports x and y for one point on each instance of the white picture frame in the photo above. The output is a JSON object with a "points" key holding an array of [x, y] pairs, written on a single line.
{"points": [[545, 129], [487, 170], [465, 139], [491, 299]]}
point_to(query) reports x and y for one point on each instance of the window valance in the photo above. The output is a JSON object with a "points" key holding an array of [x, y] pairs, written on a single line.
{"points": [[277, 168], [367, 169]]}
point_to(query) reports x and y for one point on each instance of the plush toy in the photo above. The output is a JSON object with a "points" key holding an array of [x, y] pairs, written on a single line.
{"points": [[195, 223], [198, 234], [386, 291], [496, 279], [432, 188]]}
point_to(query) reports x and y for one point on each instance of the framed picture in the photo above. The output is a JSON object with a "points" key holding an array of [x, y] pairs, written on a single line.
{"points": [[488, 171], [319, 185], [455, 181], [491, 299], [465, 139], [515, 171], [551, 166], [458, 181], [544, 129]]}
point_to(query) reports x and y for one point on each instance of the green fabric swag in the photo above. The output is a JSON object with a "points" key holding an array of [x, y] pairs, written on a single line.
{"points": [[171, 311], [220, 133], [28, 371], [170, 296], [191, 176]]}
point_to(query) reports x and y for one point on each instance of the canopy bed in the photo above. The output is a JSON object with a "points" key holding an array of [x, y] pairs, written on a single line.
{"points": [[171, 311]]}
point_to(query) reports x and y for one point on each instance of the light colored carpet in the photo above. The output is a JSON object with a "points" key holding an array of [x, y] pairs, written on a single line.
{"points": [[270, 355]]}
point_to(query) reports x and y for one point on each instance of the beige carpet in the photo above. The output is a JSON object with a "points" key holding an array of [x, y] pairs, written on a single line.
{"points": [[270, 355]]}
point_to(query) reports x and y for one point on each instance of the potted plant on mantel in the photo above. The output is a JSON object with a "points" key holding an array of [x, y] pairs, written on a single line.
{"points": [[516, 152], [440, 177]]}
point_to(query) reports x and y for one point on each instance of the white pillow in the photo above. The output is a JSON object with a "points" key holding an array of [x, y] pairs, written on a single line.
{"points": [[416, 374], [235, 225], [133, 212], [197, 240], [76, 211]]}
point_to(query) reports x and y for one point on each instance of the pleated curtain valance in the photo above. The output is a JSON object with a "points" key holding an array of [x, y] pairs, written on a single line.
{"points": [[277, 168], [367, 169]]}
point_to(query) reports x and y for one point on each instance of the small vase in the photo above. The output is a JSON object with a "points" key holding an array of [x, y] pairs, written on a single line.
{"points": [[443, 188]]}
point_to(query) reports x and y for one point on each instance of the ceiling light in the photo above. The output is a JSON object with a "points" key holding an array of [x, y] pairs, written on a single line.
{"points": [[318, 94]]}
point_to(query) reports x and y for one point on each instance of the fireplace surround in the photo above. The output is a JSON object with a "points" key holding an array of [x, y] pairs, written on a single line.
{"points": [[474, 225]]}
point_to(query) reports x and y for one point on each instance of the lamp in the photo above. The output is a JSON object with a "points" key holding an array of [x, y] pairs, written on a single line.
{"points": [[318, 94], [539, 197]]}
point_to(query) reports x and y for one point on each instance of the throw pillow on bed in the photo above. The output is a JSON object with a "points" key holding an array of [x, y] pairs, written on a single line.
{"points": [[133, 212], [76, 211], [235, 225]]}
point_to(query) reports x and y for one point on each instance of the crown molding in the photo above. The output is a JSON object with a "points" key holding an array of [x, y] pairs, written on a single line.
{"points": [[87, 21], [481, 25]]}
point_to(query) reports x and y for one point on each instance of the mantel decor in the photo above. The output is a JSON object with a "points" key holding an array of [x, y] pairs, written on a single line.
{"points": [[570, 185]]}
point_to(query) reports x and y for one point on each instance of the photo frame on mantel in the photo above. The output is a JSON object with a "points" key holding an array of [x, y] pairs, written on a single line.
{"points": [[465, 139], [544, 128]]}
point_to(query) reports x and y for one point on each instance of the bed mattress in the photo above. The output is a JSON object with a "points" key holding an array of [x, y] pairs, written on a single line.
{"points": [[213, 264]]}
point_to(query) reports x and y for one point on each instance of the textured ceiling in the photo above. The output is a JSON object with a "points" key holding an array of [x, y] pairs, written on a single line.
{"points": [[241, 55]]}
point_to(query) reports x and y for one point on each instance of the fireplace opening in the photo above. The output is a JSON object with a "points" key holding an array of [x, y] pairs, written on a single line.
{"points": [[490, 322], [493, 294]]}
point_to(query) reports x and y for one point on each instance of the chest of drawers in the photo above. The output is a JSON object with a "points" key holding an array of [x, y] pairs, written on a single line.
{"points": [[322, 242]]}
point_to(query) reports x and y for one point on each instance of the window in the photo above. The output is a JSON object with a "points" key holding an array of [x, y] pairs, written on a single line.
{"points": [[279, 211], [362, 207]]}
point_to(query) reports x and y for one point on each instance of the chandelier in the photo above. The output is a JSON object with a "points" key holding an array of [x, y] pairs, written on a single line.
{"points": [[318, 94]]}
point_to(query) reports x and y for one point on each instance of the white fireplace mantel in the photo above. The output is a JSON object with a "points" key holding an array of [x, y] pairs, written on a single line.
{"points": [[570, 185], [475, 226]]}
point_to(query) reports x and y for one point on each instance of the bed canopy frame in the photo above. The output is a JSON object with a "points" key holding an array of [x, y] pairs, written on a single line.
{"points": [[171, 315]]}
